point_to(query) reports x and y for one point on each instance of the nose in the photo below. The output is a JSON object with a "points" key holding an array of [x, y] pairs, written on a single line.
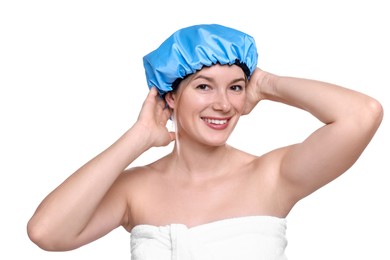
{"points": [[222, 102]]}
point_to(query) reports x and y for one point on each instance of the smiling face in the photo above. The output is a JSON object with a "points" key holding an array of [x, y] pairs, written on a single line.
{"points": [[208, 104]]}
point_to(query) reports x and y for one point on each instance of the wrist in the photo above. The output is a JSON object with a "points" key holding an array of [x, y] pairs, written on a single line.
{"points": [[139, 135], [268, 85]]}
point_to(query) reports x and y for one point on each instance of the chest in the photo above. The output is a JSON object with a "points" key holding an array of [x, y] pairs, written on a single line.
{"points": [[170, 201]]}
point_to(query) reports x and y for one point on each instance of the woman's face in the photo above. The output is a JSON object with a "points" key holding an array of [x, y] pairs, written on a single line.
{"points": [[208, 104]]}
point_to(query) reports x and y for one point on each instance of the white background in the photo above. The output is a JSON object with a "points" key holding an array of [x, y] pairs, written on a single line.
{"points": [[72, 81]]}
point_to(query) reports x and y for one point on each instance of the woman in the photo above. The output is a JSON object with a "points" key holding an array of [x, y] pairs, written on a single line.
{"points": [[206, 199]]}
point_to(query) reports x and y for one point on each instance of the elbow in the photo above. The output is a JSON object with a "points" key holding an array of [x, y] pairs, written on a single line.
{"points": [[40, 236], [374, 112], [36, 233]]}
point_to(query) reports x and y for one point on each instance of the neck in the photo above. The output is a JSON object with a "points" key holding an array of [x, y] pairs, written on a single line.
{"points": [[199, 161]]}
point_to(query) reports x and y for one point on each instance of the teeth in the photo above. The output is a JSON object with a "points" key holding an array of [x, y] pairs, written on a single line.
{"points": [[215, 121]]}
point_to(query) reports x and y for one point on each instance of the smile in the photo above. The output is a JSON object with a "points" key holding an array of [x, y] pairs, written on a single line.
{"points": [[215, 121]]}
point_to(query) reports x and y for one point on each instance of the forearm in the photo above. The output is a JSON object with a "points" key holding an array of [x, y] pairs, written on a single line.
{"points": [[68, 209], [327, 102]]}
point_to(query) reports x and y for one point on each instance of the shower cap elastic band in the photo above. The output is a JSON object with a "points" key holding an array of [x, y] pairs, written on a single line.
{"points": [[189, 49]]}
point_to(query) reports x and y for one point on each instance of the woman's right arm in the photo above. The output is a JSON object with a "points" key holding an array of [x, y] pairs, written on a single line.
{"points": [[79, 211]]}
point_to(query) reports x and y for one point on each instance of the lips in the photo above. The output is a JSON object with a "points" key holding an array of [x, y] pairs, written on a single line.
{"points": [[216, 123]]}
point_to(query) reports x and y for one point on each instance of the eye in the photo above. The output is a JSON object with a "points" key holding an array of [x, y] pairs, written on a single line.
{"points": [[203, 87], [237, 88]]}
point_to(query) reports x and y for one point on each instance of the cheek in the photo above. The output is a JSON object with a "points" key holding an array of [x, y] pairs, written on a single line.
{"points": [[194, 103], [185, 107], [239, 103]]}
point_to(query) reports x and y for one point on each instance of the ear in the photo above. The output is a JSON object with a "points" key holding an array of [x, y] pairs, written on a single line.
{"points": [[170, 99]]}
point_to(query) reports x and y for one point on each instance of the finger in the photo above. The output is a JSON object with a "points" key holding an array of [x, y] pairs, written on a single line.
{"points": [[172, 135], [162, 103], [150, 98], [167, 112], [153, 92]]}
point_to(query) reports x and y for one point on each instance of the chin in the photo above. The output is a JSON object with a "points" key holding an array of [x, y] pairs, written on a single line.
{"points": [[216, 142]]}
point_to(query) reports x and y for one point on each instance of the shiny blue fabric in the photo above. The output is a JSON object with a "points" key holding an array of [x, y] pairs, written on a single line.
{"points": [[189, 49]]}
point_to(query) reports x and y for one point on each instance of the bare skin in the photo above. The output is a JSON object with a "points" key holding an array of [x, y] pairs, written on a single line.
{"points": [[204, 179]]}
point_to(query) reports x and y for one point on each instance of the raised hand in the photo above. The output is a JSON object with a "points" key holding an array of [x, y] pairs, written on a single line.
{"points": [[257, 81], [153, 119]]}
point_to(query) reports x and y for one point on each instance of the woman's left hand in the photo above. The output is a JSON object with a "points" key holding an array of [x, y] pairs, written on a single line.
{"points": [[253, 90]]}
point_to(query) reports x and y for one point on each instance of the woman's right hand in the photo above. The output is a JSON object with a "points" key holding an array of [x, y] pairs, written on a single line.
{"points": [[153, 118]]}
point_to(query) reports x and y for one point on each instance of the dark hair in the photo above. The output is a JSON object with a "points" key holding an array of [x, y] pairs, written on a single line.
{"points": [[176, 83], [244, 67]]}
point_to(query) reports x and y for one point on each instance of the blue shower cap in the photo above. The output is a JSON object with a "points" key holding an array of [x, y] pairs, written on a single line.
{"points": [[189, 49]]}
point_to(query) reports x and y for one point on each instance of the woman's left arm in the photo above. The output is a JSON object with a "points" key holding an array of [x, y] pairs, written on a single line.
{"points": [[350, 121]]}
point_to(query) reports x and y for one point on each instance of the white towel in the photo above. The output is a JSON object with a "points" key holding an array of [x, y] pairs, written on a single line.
{"points": [[246, 238]]}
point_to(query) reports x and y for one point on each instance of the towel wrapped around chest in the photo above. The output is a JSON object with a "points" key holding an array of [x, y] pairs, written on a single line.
{"points": [[252, 237]]}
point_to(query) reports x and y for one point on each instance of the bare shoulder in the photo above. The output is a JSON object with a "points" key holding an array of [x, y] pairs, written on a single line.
{"points": [[138, 184], [272, 158], [135, 177], [264, 167], [242, 156]]}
